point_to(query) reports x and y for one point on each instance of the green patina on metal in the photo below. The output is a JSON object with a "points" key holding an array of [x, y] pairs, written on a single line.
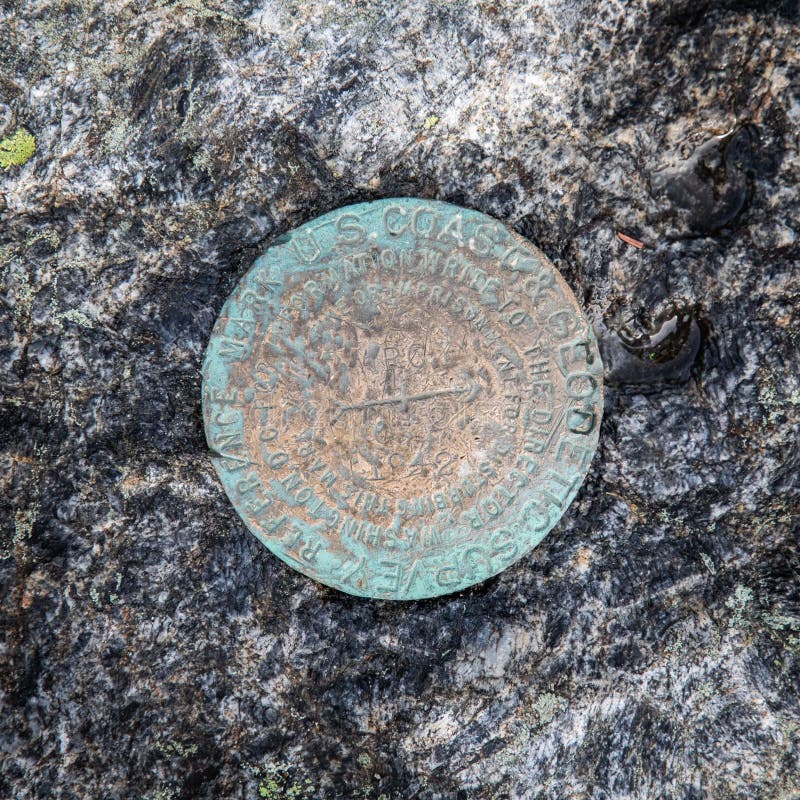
{"points": [[402, 398]]}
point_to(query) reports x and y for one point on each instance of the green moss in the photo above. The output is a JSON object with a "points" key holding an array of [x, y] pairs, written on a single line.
{"points": [[17, 149], [277, 782], [709, 563], [738, 603], [169, 747], [547, 705]]}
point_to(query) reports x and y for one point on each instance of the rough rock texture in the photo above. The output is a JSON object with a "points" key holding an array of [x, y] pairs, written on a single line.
{"points": [[151, 648]]}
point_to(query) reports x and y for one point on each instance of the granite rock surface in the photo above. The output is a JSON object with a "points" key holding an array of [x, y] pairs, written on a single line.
{"points": [[151, 649]]}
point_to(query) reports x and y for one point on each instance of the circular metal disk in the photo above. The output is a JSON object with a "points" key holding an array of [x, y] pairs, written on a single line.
{"points": [[402, 398]]}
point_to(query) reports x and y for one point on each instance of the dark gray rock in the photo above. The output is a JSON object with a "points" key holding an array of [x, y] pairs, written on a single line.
{"points": [[151, 648]]}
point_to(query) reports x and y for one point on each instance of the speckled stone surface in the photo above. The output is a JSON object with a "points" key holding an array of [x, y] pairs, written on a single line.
{"points": [[151, 648]]}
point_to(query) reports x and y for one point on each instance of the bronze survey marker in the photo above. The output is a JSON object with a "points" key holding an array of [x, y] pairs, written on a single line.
{"points": [[402, 398]]}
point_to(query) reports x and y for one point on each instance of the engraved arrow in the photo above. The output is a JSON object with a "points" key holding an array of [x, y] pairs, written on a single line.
{"points": [[472, 391]]}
